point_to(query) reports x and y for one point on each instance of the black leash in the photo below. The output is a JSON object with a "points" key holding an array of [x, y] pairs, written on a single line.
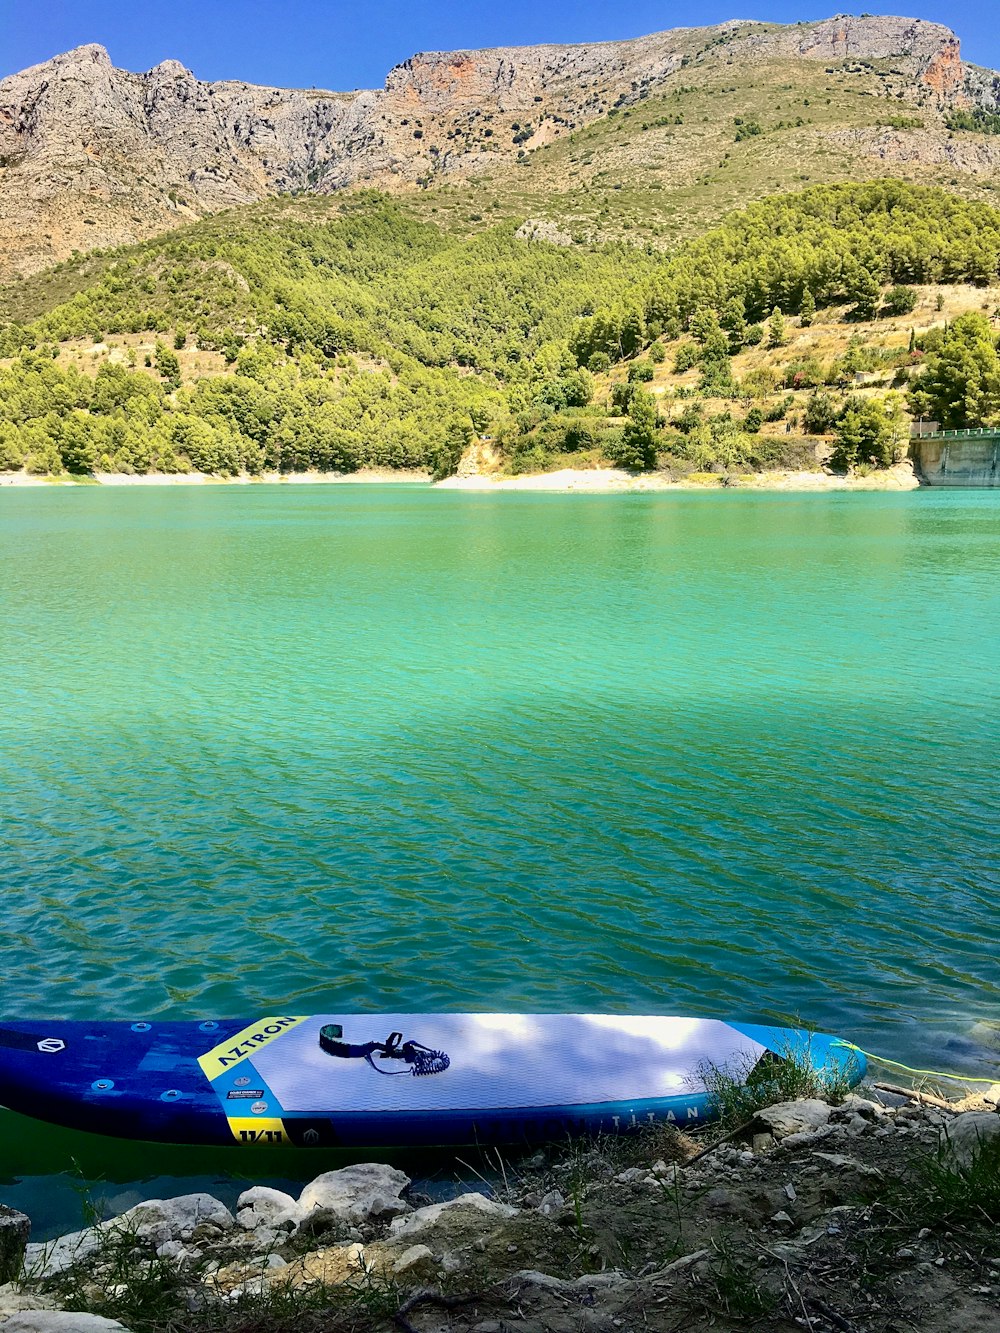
{"points": [[421, 1059]]}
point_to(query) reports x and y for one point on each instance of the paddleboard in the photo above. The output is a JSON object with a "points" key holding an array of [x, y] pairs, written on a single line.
{"points": [[368, 1080]]}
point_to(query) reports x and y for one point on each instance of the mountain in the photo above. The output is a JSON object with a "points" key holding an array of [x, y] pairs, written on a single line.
{"points": [[600, 139]]}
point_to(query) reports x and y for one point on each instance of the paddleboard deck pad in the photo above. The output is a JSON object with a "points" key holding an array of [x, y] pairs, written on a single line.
{"points": [[367, 1080]]}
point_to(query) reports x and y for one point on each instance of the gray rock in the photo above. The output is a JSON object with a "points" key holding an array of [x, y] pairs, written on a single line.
{"points": [[367, 1192], [15, 1228], [415, 1262], [206, 1232], [808, 1137], [553, 1202], [843, 1163], [403, 1228], [253, 1288], [155, 1223], [171, 1249], [677, 1266], [263, 1207], [536, 229], [798, 1117], [853, 1104], [970, 1135], [57, 1256], [159, 1220], [13, 1300], [529, 1277], [61, 1321], [266, 1239], [325, 1219]]}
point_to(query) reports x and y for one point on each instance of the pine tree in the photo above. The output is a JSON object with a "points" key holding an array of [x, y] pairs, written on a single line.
{"points": [[864, 289], [734, 321], [776, 329], [960, 383], [807, 312], [639, 438]]}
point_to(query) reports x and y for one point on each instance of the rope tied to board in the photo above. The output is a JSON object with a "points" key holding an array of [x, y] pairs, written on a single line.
{"points": [[422, 1060], [922, 1073]]}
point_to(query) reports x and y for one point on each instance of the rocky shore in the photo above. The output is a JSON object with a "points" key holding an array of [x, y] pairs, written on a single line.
{"points": [[874, 1215]]}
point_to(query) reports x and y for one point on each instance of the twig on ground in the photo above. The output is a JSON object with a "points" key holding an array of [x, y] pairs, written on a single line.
{"points": [[427, 1296], [915, 1096], [726, 1138], [831, 1315], [791, 1282]]}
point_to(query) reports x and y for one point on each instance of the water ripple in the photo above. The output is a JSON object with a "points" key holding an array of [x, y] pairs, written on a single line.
{"points": [[372, 747]]}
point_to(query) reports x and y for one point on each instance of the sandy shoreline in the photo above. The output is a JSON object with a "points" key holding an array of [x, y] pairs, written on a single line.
{"points": [[362, 476], [593, 481], [613, 480]]}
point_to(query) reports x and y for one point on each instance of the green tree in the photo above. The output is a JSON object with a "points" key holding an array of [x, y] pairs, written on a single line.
{"points": [[168, 366], [640, 372], [459, 434], [901, 300], [76, 443], [864, 290], [734, 321], [821, 412], [776, 329], [807, 310], [714, 354], [959, 385], [621, 396], [11, 453], [867, 432], [637, 448]]}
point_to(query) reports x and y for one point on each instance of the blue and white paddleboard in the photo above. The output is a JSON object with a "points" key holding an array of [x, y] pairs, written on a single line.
{"points": [[367, 1080]]}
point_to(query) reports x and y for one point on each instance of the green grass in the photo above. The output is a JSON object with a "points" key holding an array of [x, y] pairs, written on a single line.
{"points": [[733, 1288], [738, 1092], [967, 1197]]}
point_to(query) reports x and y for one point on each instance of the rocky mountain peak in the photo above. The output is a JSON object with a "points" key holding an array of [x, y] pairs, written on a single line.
{"points": [[92, 156], [92, 53], [170, 69]]}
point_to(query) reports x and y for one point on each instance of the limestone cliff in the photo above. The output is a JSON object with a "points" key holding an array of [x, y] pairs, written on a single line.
{"points": [[92, 156]]}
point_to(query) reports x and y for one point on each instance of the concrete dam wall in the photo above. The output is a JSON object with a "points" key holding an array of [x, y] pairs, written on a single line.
{"points": [[959, 459]]}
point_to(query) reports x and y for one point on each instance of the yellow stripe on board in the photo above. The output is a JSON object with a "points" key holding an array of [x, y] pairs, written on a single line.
{"points": [[245, 1043], [258, 1131]]}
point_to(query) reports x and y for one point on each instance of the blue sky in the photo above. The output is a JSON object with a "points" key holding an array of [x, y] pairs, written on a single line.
{"points": [[338, 45]]}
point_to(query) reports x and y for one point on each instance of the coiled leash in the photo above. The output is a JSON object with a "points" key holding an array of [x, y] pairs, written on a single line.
{"points": [[421, 1059]]}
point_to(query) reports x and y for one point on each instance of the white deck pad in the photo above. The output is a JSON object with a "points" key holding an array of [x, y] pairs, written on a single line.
{"points": [[502, 1061]]}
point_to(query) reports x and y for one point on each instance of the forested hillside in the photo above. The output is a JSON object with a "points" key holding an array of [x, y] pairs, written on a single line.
{"points": [[333, 336]]}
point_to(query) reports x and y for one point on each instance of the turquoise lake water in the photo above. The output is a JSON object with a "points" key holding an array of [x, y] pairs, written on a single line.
{"points": [[299, 748]]}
